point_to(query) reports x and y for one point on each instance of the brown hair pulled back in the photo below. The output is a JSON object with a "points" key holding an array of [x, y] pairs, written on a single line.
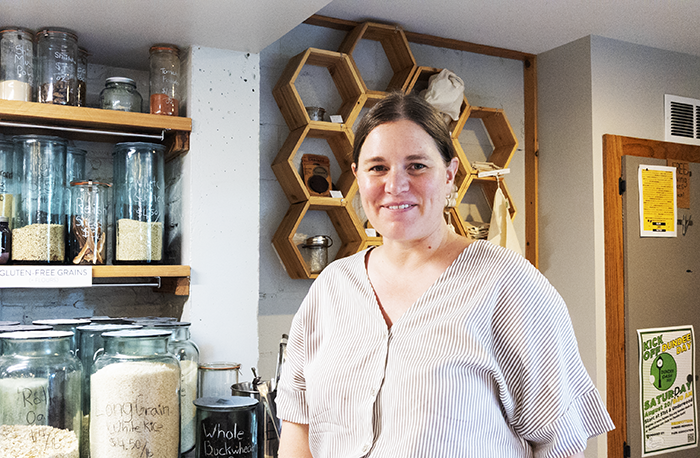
{"points": [[397, 106]]}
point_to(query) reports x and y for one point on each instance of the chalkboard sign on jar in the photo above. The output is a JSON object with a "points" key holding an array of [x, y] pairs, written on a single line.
{"points": [[226, 427], [39, 395]]}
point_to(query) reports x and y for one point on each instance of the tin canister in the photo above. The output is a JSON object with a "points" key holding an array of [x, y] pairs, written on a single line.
{"points": [[226, 426], [268, 425]]}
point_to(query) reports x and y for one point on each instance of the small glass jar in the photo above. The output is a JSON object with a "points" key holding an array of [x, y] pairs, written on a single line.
{"points": [[317, 247], [120, 94], [8, 180], [226, 426], [88, 224], [16, 64], [38, 235], [57, 66], [187, 353], [40, 393], [217, 378], [81, 96], [139, 202], [164, 62], [135, 397]]}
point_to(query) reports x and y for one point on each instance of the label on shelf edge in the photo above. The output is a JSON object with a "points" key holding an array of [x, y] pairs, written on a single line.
{"points": [[45, 276]]}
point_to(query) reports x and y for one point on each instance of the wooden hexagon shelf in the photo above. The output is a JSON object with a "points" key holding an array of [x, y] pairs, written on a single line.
{"points": [[339, 139], [347, 82], [500, 132], [396, 48], [345, 223]]}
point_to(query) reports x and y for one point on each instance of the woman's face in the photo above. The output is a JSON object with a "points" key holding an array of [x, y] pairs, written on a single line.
{"points": [[403, 181]]}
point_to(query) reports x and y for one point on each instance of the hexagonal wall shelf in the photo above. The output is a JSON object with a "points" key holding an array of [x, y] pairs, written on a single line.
{"points": [[339, 139], [500, 132], [396, 48], [346, 80]]}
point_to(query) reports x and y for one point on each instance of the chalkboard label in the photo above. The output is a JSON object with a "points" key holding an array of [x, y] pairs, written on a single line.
{"points": [[226, 427]]}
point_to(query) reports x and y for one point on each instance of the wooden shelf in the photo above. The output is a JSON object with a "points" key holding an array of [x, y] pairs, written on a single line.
{"points": [[174, 279], [94, 124]]}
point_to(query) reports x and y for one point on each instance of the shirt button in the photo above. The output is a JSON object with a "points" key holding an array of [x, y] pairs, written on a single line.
{"points": [[365, 448], [373, 393]]}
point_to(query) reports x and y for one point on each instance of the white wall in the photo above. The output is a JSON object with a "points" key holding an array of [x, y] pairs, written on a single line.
{"points": [[220, 189], [588, 88]]}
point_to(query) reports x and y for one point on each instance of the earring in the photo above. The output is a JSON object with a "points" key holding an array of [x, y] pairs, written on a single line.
{"points": [[451, 198]]}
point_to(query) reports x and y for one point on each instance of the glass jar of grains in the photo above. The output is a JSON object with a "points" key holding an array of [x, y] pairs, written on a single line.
{"points": [[57, 66], [16, 64], [38, 235], [135, 397], [187, 353], [139, 202], [120, 94], [39, 395]]}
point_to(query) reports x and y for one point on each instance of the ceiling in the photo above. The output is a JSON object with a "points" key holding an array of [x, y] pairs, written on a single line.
{"points": [[119, 32]]}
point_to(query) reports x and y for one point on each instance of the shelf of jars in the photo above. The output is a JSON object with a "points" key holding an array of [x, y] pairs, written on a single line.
{"points": [[94, 124]]}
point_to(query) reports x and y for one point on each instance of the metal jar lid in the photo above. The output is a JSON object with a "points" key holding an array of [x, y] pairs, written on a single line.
{"points": [[120, 79], [318, 241]]}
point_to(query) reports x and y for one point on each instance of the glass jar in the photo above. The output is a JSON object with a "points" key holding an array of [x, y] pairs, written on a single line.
{"points": [[139, 202], [164, 62], [40, 394], [187, 353], [120, 94], [57, 66], [16, 64], [215, 379], [135, 397], [8, 179], [66, 325], [88, 224], [317, 247], [227, 426], [38, 234], [75, 171], [81, 96], [5, 240]]}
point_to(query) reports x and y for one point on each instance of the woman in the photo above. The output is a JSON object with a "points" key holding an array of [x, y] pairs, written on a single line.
{"points": [[430, 345]]}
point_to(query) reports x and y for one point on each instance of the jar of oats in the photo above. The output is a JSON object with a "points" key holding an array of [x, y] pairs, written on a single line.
{"points": [[38, 235], [139, 202], [135, 397], [40, 393]]}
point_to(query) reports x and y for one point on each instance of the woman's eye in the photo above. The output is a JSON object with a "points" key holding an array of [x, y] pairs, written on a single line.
{"points": [[418, 166], [377, 168]]}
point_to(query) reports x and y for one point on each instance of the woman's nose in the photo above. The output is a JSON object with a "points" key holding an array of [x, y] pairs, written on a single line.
{"points": [[396, 182]]}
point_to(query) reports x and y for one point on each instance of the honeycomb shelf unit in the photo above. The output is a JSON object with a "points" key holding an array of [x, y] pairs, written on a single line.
{"points": [[355, 95]]}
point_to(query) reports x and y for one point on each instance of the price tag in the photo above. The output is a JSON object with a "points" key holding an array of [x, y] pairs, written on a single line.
{"points": [[45, 276]]}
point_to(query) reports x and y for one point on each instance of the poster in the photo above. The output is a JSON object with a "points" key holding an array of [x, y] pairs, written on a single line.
{"points": [[667, 389], [657, 201]]}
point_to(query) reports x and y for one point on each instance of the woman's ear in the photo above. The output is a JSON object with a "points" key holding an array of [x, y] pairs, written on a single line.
{"points": [[452, 168], [354, 169]]}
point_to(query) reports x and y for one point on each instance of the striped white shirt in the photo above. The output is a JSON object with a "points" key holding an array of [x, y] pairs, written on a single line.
{"points": [[484, 364]]}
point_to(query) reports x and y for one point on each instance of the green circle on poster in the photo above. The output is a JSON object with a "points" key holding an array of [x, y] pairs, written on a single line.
{"points": [[664, 371]]}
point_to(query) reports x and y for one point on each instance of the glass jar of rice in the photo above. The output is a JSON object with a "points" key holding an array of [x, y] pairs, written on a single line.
{"points": [[135, 397], [139, 202], [40, 393]]}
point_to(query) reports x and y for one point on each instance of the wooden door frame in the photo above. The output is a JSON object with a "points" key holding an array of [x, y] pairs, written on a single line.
{"points": [[614, 147]]}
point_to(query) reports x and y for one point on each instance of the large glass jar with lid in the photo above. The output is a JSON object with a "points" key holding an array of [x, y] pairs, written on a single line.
{"points": [[57, 66], [187, 353], [120, 94], [16, 64], [88, 223], [82, 67], [76, 159], [135, 397], [139, 202], [39, 395], [38, 235], [164, 62], [66, 325]]}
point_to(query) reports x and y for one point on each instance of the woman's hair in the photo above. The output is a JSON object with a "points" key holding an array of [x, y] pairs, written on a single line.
{"points": [[397, 106]]}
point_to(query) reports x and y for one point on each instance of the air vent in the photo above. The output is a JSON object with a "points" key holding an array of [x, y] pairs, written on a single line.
{"points": [[682, 119]]}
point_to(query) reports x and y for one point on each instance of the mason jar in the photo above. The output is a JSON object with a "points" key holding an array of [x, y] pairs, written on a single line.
{"points": [[57, 66], [164, 63], [120, 94], [8, 180], [135, 397], [40, 393], [38, 235], [16, 64], [187, 353], [88, 224], [81, 91], [139, 202]]}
